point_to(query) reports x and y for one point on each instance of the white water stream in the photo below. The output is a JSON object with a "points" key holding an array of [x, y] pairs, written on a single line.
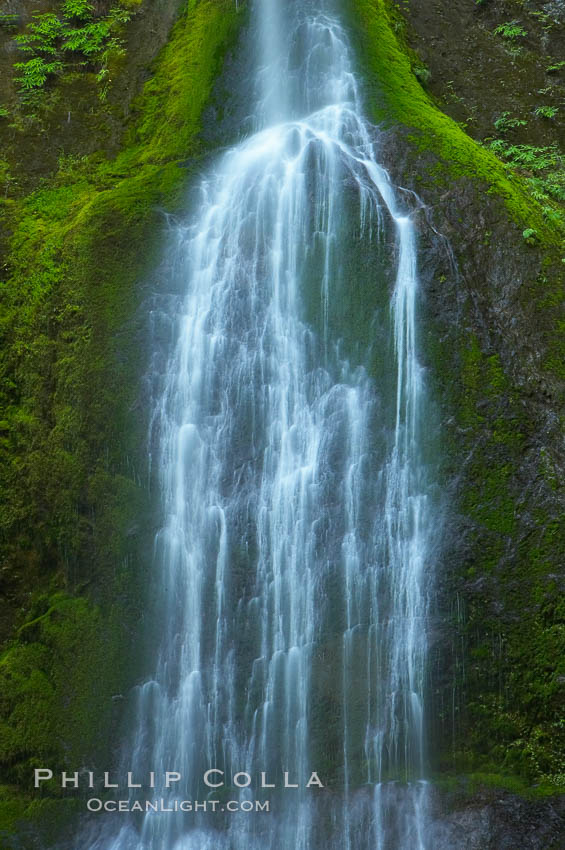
{"points": [[293, 561]]}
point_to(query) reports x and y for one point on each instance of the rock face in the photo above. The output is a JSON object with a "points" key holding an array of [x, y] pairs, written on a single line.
{"points": [[498, 821], [493, 300], [493, 304], [490, 311], [478, 71]]}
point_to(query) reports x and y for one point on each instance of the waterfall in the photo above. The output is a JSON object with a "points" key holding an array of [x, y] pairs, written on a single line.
{"points": [[292, 565]]}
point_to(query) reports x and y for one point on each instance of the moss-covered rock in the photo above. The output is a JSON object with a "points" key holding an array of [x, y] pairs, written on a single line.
{"points": [[73, 539], [58, 678]]}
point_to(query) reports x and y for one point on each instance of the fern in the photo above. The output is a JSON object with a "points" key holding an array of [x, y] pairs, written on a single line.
{"points": [[80, 9], [555, 183], [547, 163], [499, 147], [50, 38], [546, 111], [9, 20], [89, 40], [504, 123], [511, 30], [538, 189], [35, 72], [119, 16], [552, 215], [42, 36], [526, 156]]}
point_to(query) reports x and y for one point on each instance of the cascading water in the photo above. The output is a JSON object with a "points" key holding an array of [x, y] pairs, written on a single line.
{"points": [[293, 559]]}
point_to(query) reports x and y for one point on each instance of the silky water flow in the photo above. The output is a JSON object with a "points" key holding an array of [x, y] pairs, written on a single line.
{"points": [[293, 563]]}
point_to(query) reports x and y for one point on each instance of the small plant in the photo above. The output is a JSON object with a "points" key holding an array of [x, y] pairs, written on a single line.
{"points": [[80, 9], [552, 215], [544, 20], [530, 236], [555, 68], [88, 40], [511, 30], [71, 169], [550, 186], [4, 113], [544, 169], [526, 156], [538, 189], [546, 111], [77, 38], [8, 20], [7, 182], [504, 123], [42, 35], [35, 72], [451, 95], [422, 74]]}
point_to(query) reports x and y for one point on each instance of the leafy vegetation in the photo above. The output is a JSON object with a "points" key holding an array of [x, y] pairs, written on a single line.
{"points": [[35, 72], [530, 235], [504, 123], [75, 38], [528, 157], [542, 167], [511, 30], [80, 9], [422, 74], [8, 20], [546, 111]]}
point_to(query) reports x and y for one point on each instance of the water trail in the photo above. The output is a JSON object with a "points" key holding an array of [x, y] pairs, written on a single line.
{"points": [[293, 559]]}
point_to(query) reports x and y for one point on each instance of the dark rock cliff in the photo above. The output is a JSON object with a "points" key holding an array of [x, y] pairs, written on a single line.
{"points": [[494, 302]]}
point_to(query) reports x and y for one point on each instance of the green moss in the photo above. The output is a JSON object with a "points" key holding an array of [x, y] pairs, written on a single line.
{"points": [[396, 97], [57, 680], [513, 723], [172, 102], [20, 814], [79, 246], [468, 784], [71, 437], [471, 379], [12, 809], [49, 689]]}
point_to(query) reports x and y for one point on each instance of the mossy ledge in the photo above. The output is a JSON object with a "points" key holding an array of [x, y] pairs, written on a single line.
{"points": [[396, 96], [72, 480]]}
